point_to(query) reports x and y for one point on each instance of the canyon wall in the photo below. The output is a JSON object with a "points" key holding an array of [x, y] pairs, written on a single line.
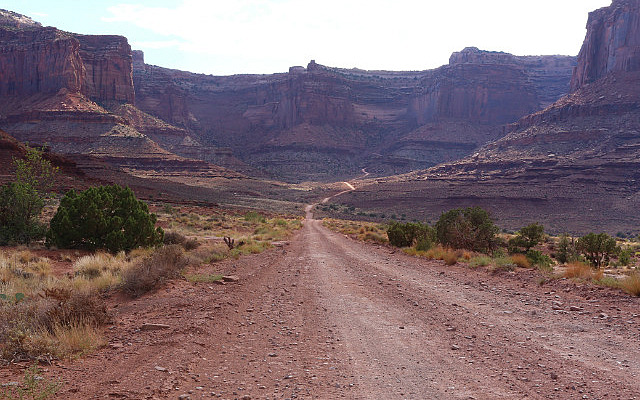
{"points": [[612, 43], [574, 166], [37, 60], [349, 118]]}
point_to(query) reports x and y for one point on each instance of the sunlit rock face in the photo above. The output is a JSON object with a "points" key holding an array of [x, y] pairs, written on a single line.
{"points": [[612, 43]]}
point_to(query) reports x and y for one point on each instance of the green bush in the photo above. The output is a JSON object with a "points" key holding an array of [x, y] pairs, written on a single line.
{"points": [[20, 206], [527, 237], [104, 217], [538, 259], [624, 258], [469, 228], [597, 248], [406, 234], [22, 201], [566, 249]]}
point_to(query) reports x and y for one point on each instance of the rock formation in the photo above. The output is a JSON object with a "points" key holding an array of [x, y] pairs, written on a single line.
{"points": [[612, 43], [330, 121], [75, 94], [574, 166]]}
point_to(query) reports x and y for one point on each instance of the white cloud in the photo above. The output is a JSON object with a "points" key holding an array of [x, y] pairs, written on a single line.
{"points": [[270, 35], [160, 44]]}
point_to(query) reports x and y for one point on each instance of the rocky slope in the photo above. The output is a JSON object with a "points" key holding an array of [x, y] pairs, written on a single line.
{"points": [[574, 166], [322, 122]]}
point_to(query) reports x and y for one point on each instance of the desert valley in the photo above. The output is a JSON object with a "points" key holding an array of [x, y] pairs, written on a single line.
{"points": [[465, 232]]}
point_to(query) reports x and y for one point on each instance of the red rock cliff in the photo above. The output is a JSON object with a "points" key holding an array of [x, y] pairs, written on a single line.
{"points": [[38, 61], [332, 110], [612, 43], [35, 60]]}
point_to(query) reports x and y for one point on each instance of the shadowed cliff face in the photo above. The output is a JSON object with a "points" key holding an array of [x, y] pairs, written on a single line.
{"points": [[343, 120], [612, 43]]}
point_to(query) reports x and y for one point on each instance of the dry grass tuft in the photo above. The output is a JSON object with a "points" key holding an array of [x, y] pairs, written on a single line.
{"points": [[146, 275], [450, 257], [578, 270], [520, 260], [631, 284]]}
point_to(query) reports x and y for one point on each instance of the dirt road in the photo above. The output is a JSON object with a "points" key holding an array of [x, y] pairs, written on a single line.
{"points": [[327, 317]]}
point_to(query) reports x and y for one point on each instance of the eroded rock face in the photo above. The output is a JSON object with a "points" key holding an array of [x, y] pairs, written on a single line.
{"points": [[344, 120], [35, 60], [38, 61], [75, 94], [612, 43], [108, 71], [574, 166]]}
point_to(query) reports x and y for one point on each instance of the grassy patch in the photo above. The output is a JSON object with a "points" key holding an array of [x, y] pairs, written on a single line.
{"points": [[203, 278], [479, 261], [520, 260], [33, 386], [631, 284], [359, 230], [578, 270], [501, 263]]}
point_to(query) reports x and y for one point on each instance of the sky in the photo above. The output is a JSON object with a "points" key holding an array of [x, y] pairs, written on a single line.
{"points": [[225, 37]]}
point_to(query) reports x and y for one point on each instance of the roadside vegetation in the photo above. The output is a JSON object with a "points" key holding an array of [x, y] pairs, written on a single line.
{"points": [[56, 273], [470, 237]]}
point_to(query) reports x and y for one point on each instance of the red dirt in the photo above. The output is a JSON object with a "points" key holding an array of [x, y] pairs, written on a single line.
{"points": [[327, 317]]}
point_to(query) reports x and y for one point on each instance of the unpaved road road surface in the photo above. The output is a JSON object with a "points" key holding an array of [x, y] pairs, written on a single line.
{"points": [[326, 317]]}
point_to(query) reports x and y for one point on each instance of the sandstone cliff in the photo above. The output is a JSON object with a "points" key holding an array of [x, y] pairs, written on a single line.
{"points": [[34, 60], [612, 43], [574, 166], [75, 93], [321, 122]]}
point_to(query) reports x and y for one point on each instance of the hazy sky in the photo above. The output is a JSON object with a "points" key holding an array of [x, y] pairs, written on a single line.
{"points": [[265, 36]]}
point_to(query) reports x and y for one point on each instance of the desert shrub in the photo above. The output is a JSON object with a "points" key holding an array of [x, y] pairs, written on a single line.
{"points": [[49, 324], [191, 244], [67, 309], [20, 206], [479, 261], [469, 228], [578, 270], [624, 258], [450, 257], [406, 234], [105, 217], [424, 245], [631, 284], [520, 260], [539, 259], [597, 248], [526, 238], [149, 273], [173, 237], [253, 216], [22, 201], [566, 249]]}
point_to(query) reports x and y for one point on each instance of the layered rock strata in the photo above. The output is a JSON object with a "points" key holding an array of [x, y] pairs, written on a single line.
{"points": [[336, 121]]}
